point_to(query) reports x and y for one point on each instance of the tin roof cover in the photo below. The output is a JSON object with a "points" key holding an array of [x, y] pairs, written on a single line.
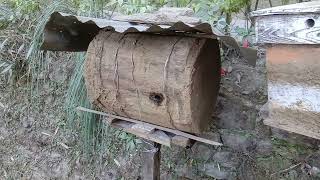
{"points": [[66, 32]]}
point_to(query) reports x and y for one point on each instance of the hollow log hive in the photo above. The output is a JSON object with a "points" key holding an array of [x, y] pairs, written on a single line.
{"points": [[167, 80]]}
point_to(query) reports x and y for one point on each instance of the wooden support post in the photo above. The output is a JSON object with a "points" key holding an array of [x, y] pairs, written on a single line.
{"points": [[151, 159]]}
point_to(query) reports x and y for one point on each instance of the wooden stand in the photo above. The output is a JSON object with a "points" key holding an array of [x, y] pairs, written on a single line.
{"points": [[157, 135], [151, 166]]}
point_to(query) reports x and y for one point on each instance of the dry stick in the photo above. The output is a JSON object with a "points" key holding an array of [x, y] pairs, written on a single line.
{"points": [[285, 170], [270, 3], [180, 133], [256, 5]]}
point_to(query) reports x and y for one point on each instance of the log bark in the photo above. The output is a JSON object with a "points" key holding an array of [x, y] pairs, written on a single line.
{"points": [[172, 81]]}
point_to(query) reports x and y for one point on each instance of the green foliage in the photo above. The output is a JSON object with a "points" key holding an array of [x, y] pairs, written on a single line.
{"points": [[285, 2], [232, 6], [218, 12], [26, 6], [244, 32]]}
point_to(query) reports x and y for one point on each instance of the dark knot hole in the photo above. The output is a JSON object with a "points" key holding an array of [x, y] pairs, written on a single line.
{"points": [[310, 23], [156, 98]]}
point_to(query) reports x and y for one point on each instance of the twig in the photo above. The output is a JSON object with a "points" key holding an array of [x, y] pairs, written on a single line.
{"points": [[270, 3], [63, 145], [256, 5], [285, 170]]}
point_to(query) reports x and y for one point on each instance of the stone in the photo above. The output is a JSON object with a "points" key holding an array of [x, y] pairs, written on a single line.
{"points": [[230, 115], [215, 171], [166, 176], [226, 159], [245, 92], [263, 112], [230, 89], [315, 172], [294, 138], [58, 75], [293, 174], [111, 174], [186, 171], [239, 141], [49, 99], [264, 148], [27, 122], [314, 159], [201, 151], [214, 136]]}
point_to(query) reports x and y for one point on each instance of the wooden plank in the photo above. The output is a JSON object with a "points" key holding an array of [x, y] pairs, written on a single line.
{"points": [[151, 163], [181, 141], [288, 29], [294, 89], [143, 128], [157, 136], [300, 8], [190, 136]]}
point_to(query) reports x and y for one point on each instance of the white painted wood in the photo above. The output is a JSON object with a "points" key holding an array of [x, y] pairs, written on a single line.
{"points": [[300, 97], [299, 8], [288, 29]]}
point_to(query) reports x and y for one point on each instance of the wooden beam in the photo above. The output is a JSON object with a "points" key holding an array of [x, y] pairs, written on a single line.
{"points": [[151, 163], [294, 89]]}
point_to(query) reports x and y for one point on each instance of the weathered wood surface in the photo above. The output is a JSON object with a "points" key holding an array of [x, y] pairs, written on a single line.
{"points": [[170, 132], [294, 89], [151, 159], [299, 8], [288, 29], [157, 136], [171, 81]]}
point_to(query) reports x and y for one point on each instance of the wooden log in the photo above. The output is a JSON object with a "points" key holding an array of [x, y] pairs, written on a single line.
{"points": [[171, 81]]}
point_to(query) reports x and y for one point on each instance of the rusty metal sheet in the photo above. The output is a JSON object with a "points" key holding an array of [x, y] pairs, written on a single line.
{"points": [[66, 32], [294, 89]]}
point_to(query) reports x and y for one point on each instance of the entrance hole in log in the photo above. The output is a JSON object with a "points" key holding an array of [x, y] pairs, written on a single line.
{"points": [[310, 23], [156, 98]]}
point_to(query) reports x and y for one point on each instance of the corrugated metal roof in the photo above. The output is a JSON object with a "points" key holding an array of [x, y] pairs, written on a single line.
{"points": [[66, 32]]}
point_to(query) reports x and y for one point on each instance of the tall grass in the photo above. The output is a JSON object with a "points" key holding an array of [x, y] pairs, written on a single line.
{"points": [[91, 128], [84, 123], [36, 58]]}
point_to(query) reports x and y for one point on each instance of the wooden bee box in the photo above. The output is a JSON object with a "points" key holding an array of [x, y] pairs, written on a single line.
{"points": [[291, 35]]}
